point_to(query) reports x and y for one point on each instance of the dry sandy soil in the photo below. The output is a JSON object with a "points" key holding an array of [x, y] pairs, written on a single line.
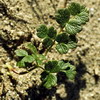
{"points": [[18, 21]]}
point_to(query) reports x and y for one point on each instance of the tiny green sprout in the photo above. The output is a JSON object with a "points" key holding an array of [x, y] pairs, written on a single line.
{"points": [[70, 22], [26, 58]]}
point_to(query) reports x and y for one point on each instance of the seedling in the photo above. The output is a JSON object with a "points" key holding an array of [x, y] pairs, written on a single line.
{"points": [[70, 21]]}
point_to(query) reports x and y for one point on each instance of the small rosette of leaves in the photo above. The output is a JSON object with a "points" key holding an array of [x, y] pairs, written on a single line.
{"points": [[72, 17], [52, 68], [26, 58], [48, 35]]}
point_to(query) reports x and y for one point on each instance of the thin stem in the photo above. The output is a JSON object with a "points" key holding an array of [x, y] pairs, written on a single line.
{"points": [[48, 49], [25, 72], [37, 66]]}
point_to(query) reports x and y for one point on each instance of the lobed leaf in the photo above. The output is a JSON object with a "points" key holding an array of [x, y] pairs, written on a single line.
{"points": [[21, 64], [62, 38], [32, 48], [47, 42], [62, 48], [51, 66], [39, 58], [21, 53], [28, 59], [62, 16], [73, 27], [83, 9], [82, 18], [70, 74], [62, 65], [55, 66], [42, 31], [74, 8], [71, 45], [71, 66], [50, 80], [52, 32]]}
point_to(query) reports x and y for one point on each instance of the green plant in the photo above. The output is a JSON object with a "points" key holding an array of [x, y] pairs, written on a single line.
{"points": [[70, 20]]}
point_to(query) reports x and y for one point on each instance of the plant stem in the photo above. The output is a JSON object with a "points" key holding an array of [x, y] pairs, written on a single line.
{"points": [[48, 49], [37, 66]]}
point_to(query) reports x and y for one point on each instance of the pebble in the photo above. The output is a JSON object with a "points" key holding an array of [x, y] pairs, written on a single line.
{"points": [[98, 19], [20, 33], [92, 10], [1, 15], [96, 70]]}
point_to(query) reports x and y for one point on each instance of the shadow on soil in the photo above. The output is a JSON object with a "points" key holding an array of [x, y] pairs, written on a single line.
{"points": [[72, 88]]}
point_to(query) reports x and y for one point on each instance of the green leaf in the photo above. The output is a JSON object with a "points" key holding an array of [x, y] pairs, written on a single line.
{"points": [[62, 48], [40, 62], [62, 16], [73, 27], [52, 32], [55, 66], [71, 45], [21, 53], [83, 9], [32, 48], [50, 80], [39, 58], [42, 31], [62, 38], [72, 67], [28, 59], [62, 65], [47, 42], [70, 74], [43, 75], [83, 17], [21, 64], [73, 38], [75, 21], [50, 66], [74, 8]]}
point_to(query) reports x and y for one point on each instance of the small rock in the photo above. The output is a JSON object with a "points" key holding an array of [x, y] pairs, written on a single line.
{"points": [[98, 19], [92, 10], [20, 33]]}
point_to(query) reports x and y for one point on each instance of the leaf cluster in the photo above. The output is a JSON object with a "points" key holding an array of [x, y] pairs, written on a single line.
{"points": [[47, 34], [64, 40], [29, 58], [70, 20], [52, 68]]}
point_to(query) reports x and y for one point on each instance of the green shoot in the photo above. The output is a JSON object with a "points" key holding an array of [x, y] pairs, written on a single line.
{"points": [[70, 21]]}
